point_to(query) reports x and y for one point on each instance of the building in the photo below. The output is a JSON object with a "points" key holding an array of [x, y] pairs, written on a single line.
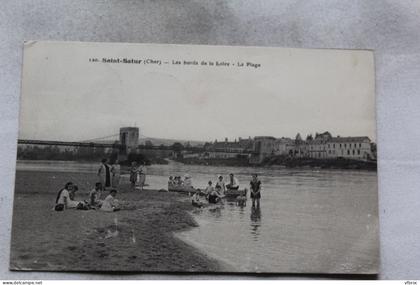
{"points": [[129, 137], [263, 147], [283, 146], [228, 149], [349, 147], [324, 146]]}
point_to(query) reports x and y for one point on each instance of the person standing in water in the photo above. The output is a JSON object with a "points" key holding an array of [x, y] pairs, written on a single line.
{"points": [[115, 170], [255, 190], [104, 173]]}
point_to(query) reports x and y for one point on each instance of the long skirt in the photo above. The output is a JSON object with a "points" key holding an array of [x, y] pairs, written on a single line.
{"points": [[140, 181]]}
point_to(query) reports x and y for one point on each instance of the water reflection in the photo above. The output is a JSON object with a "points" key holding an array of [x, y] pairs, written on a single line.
{"points": [[216, 212], [255, 221]]}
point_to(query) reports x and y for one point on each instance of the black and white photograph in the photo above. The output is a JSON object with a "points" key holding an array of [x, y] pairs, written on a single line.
{"points": [[196, 158]]}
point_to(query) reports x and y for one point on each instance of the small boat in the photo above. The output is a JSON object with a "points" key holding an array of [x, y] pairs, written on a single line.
{"points": [[235, 193], [181, 189]]}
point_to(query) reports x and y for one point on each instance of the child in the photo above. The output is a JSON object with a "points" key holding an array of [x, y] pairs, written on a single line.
{"points": [[187, 181], [255, 190], [241, 200], [221, 183], [171, 181], [209, 188], [110, 204], [95, 196], [196, 200], [215, 196], [180, 181]]}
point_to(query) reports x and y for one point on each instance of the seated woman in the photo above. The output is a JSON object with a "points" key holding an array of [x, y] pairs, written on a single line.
{"points": [[65, 198], [95, 196], [110, 204]]}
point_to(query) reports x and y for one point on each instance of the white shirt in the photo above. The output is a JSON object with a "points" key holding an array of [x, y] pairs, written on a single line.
{"points": [[65, 195], [109, 204], [209, 189], [235, 182]]}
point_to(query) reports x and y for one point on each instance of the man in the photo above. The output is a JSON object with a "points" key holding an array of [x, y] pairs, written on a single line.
{"points": [[233, 183], [255, 190]]}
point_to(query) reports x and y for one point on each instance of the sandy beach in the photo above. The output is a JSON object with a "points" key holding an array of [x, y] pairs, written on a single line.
{"points": [[140, 237]]}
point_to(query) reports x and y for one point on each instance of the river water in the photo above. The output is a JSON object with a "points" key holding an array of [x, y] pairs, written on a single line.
{"points": [[310, 220]]}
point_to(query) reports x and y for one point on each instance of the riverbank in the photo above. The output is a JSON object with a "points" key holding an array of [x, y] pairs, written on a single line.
{"points": [[140, 237]]}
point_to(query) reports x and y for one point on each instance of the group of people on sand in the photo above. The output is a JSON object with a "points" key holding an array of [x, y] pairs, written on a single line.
{"points": [[109, 179], [214, 194], [109, 174], [66, 199], [137, 176]]}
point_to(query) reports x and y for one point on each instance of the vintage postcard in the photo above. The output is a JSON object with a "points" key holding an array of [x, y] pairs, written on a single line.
{"points": [[164, 158]]}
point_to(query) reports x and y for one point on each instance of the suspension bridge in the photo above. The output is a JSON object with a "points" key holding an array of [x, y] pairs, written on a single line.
{"points": [[127, 138], [125, 142]]}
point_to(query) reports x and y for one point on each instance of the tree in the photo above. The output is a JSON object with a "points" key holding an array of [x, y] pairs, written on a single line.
{"points": [[162, 146], [137, 157], [177, 147], [148, 144]]}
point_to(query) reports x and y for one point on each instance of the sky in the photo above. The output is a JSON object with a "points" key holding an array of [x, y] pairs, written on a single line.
{"points": [[67, 97]]}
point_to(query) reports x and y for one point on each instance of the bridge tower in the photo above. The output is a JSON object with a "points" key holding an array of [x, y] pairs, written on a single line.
{"points": [[129, 139]]}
